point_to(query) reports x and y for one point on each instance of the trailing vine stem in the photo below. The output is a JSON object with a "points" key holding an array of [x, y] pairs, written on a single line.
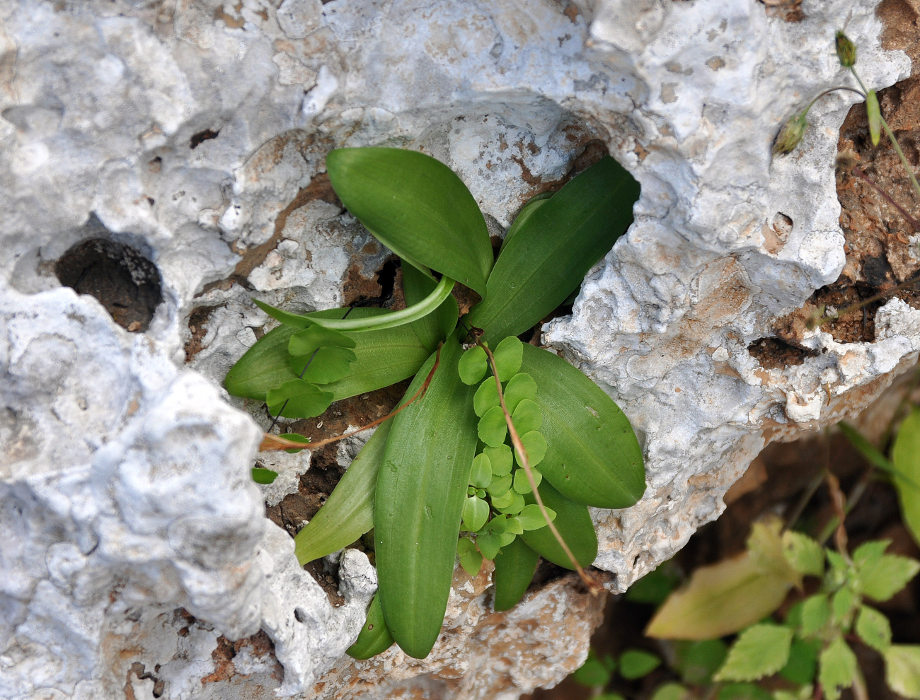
{"points": [[276, 442], [593, 585]]}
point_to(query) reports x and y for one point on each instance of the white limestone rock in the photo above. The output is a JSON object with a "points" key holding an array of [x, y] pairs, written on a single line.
{"points": [[188, 130]]}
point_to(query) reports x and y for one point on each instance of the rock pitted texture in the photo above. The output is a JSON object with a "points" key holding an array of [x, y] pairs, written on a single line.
{"points": [[190, 137]]}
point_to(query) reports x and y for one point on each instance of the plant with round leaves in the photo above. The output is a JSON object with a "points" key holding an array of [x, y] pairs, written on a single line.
{"points": [[453, 472]]}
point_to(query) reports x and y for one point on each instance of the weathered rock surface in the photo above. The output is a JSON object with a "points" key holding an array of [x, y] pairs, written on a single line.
{"points": [[191, 135]]}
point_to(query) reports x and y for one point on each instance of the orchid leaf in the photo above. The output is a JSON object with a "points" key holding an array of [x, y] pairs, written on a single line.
{"points": [[515, 565], [574, 524]]}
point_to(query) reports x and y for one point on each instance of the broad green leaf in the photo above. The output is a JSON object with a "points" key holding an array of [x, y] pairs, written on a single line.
{"points": [[508, 354], [766, 545], [513, 506], [873, 628], [515, 565], [804, 554], [511, 523], [417, 207], [837, 668], [313, 337], [527, 416], [720, 599], [521, 386], [595, 672], [263, 476], [374, 636], [499, 485], [524, 214], [574, 524], [492, 427], [475, 513], [521, 483], [874, 115], [548, 256], [489, 544], [803, 661], [906, 458], [298, 398], [349, 511], [902, 669], [481, 472], [593, 456], [500, 458], [324, 365], [759, 651], [382, 358], [473, 365], [636, 663], [886, 576], [421, 487], [470, 558], [486, 396], [814, 614], [531, 517], [698, 661]]}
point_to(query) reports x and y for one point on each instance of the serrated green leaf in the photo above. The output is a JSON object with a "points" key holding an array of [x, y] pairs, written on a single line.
{"points": [[374, 636], [531, 517], [481, 472], [550, 253], [473, 365], [349, 511], [521, 386], [527, 416], [698, 661], [299, 399], [837, 668], [814, 613], [501, 459], [636, 663], [492, 427], [720, 599], [417, 207], [843, 605], [521, 483], [420, 493], [486, 396], [905, 455], [508, 354], [593, 456], [573, 521], [804, 554], [263, 476], [869, 553], [873, 628], [803, 662], [475, 513], [470, 558], [902, 669], [874, 115], [759, 651], [594, 672], [324, 366], [885, 577], [515, 565], [313, 337]]}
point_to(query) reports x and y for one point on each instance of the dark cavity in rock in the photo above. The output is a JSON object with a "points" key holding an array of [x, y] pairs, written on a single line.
{"points": [[125, 282]]}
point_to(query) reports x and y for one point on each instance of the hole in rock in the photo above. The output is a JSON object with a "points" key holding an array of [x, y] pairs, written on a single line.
{"points": [[775, 353], [300, 615], [125, 282], [201, 137]]}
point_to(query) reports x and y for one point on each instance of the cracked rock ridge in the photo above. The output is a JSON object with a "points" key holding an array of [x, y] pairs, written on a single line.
{"points": [[136, 555]]}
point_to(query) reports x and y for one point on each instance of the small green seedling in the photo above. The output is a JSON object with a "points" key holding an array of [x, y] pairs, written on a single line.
{"points": [[499, 447]]}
